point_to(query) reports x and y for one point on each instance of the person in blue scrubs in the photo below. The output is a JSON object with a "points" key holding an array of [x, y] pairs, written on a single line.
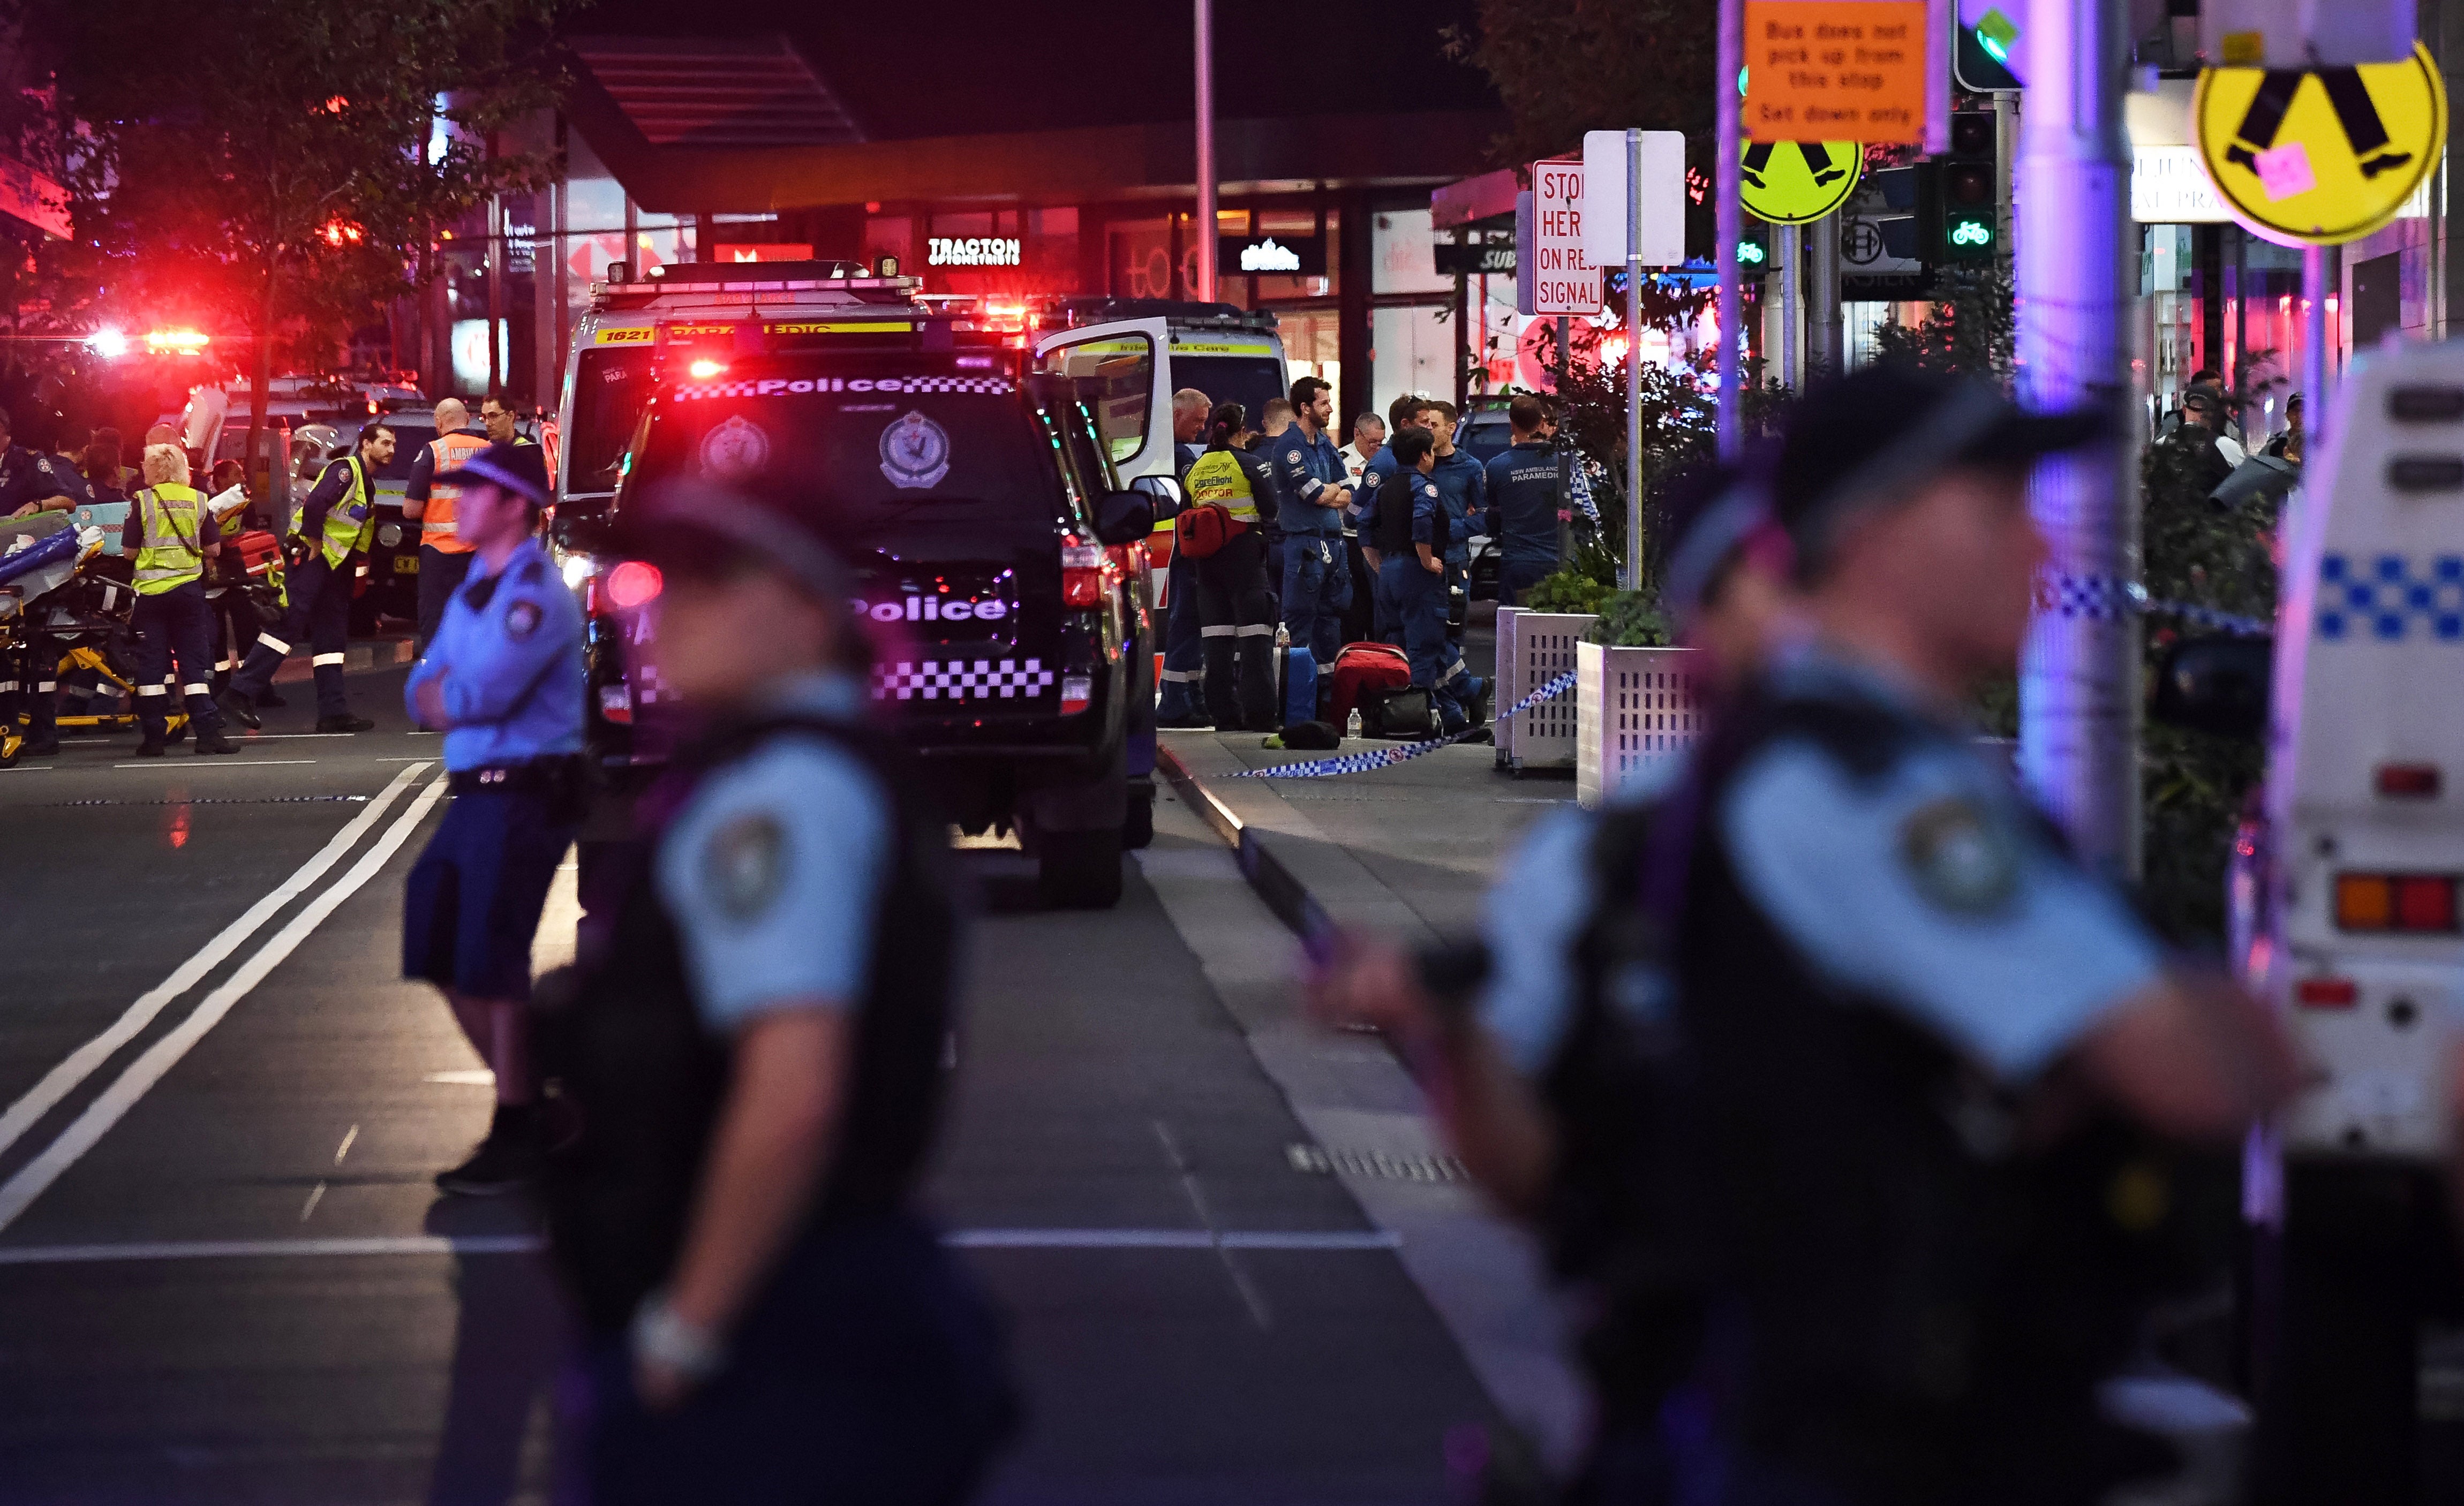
{"points": [[1405, 412], [503, 682], [1524, 505], [1463, 484], [1317, 579]]}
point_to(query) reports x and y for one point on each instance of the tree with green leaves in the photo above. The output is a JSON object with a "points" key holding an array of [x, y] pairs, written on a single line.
{"points": [[262, 161]]}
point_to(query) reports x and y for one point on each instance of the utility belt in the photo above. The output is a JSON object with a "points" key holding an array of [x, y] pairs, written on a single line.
{"points": [[561, 778]]}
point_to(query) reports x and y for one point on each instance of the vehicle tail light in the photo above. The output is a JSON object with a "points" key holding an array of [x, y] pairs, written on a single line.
{"points": [[616, 705], [2408, 781], [1076, 690], [1082, 573], [2326, 993], [632, 584], [2417, 903]]}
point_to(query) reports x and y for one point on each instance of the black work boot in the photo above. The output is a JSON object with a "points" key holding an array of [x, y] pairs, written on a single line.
{"points": [[211, 739], [507, 1161], [237, 707], [344, 723]]}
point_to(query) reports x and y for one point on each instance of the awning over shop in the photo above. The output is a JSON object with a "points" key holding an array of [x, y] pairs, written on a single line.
{"points": [[697, 143]]}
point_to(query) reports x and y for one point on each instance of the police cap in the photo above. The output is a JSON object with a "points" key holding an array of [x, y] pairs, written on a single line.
{"points": [[519, 469], [696, 527], [1879, 434]]}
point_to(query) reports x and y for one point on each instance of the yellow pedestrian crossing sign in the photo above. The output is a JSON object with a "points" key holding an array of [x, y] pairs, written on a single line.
{"points": [[1796, 183], [2320, 156]]}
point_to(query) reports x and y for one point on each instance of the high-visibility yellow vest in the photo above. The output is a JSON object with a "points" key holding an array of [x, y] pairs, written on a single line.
{"points": [[446, 453], [172, 553], [346, 523], [1215, 477]]}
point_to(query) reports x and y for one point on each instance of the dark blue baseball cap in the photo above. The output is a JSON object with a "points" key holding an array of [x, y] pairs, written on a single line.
{"points": [[1875, 437]]}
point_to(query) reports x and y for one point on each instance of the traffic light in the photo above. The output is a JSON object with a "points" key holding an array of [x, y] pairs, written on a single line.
{"points": [[1754, 247], [1988, 53], [1957, 194]]}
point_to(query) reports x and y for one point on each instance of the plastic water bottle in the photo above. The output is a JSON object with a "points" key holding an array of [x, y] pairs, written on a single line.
{"points": [[1352, 724]]}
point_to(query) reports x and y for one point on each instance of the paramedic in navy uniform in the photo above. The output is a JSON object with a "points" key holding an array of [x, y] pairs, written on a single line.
{"points": [[756, 1064], [503, 680]]}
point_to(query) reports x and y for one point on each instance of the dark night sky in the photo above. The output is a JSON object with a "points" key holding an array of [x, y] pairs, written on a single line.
{"points": [[927, 70]]}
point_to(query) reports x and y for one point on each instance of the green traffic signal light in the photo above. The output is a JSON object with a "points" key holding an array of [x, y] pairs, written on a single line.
{"points": [[1751, 253], [1971, 234]]}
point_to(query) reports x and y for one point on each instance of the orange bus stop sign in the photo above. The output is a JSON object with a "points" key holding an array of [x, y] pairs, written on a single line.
{"points": [[1836, 70]]}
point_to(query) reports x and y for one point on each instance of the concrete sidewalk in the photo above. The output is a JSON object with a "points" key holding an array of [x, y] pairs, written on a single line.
{"points": [[1410, 849]]}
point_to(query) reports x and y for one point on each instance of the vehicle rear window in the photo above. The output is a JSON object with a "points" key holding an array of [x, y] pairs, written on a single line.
{"points": [[1251, 381], [611, 385], [897, 442]]}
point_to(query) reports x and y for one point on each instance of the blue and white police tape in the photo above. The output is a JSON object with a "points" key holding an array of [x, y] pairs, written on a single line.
{"points": [[2102, 598], [1386, 757]]}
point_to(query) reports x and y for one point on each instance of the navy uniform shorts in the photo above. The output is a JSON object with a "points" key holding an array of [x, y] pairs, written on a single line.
{"points": [[476, 893]]}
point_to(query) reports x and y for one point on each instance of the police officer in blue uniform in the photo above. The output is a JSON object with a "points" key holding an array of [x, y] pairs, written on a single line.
{"points": [[1413, 541], [503, 682], [1939, 1075], [1404, 412], [330, 539], [1317, 578], [1543, 1045], [756, 1064], [1524, 501], [31, 482]]}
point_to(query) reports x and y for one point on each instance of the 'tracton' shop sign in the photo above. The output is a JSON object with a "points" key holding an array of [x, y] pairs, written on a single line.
{"points": [[972, 250]]}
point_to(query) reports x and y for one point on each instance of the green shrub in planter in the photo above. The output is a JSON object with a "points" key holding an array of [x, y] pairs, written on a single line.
{"points": [[1566, 591], [1629, 620]]}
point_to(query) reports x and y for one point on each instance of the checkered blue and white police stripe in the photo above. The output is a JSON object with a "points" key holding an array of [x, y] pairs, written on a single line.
{"points": [[960, 680]]}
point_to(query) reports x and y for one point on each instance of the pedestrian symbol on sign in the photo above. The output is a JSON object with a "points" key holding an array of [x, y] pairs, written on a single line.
{"points": [[1796, 183], [2320, 156]]}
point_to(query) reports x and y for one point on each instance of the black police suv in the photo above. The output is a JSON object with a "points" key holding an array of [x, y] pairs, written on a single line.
{"points": [[978, 505]]}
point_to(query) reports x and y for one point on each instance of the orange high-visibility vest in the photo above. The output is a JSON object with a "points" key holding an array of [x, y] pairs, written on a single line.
{"points": [[446, 453]]}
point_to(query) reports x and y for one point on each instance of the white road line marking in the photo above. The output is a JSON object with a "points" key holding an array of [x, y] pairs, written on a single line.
{"points": [[1337, 1240], [345, 1148], [115, 1102], [482, 1078], [88, 1059], [396, 760], [218, 763], [267, 737], [29, 768], [309, 1207]]}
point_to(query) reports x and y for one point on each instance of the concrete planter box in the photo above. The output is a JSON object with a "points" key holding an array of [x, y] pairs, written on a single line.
{"points": [[1532, 650], [1635, 708]]}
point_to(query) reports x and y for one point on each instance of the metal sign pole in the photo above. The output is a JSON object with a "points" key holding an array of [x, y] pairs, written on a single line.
{"points": [[1633, 578], [1565, 445], [2078, 673], [2313, 349], [1205, 226], [1729, 180], [1791, 303]]}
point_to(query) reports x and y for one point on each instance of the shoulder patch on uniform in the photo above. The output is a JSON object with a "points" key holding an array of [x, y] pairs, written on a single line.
{"points": [[522, 618], [1961, 858], [1292, 455], [744, 864]]}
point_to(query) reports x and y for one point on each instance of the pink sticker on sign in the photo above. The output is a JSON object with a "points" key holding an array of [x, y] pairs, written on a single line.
{"points": [[2284, 171]]}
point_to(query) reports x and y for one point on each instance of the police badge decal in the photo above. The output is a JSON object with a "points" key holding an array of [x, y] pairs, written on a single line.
{"points": [[914, 452], [735, 449]]}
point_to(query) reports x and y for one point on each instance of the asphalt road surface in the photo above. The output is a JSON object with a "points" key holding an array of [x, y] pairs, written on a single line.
{"points": [[225, 1275]]}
